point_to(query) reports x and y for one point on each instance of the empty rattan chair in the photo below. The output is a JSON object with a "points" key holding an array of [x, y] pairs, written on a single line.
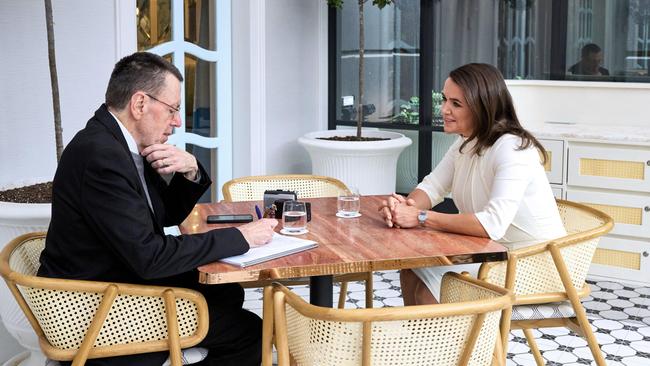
{"points": [[462, 330], [77, 320], [548, 279], [306, 186]]}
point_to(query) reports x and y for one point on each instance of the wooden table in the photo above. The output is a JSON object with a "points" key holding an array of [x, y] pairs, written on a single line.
{"points": [[344, 246]]}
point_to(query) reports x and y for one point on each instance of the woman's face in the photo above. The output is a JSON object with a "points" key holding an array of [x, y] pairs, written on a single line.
{"points": [[455, 111]]}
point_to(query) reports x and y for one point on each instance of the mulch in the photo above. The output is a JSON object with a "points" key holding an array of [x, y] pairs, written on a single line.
{"points": [[36, 193]]}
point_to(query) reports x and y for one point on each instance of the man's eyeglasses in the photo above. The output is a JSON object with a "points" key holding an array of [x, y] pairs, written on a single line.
{"points": [[172, 110]]}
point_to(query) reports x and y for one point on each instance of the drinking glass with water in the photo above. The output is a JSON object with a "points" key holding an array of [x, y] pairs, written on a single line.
{"points": [[294, 217], [348, 203]]}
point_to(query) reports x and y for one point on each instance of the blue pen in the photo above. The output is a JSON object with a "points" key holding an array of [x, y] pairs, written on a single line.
{"points": [[258, 212]]}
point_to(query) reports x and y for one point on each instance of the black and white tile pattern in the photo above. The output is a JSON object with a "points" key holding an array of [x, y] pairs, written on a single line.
{"points": [[618, 313]]}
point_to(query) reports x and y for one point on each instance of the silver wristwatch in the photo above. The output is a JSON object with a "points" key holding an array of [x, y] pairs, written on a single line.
{"points": [[422, 217]]}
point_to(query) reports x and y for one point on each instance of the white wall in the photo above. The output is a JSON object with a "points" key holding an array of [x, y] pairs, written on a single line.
{"points": [[241, 90], [88, 44], [594, 103], [293, 55], [87, 47], [279, 83]]}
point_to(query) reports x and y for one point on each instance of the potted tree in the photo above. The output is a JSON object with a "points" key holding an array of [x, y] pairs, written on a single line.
{"points": [[25, 207], [368, 162]]}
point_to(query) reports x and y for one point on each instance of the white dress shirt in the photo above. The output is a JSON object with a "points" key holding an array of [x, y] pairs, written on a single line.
{"points": [[506, 188]]}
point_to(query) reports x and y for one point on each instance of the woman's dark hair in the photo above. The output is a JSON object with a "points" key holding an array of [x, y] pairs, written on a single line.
{"points": [[141, 71], [491, 106]]}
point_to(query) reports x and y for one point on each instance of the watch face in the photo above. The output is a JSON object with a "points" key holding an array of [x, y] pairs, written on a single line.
{"points": [[422, 217]]}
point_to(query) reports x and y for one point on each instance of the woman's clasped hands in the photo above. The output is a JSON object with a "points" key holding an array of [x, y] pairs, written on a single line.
{"points": [[399, 211]]}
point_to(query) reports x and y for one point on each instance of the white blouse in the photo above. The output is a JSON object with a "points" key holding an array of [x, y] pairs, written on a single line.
{"points": [[504, 187]]}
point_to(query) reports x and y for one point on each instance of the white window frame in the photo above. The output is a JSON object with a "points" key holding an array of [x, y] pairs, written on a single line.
{"points": [[222, 81]]}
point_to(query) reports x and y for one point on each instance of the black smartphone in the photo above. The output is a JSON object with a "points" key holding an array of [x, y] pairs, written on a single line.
{"points": [[229, 219]]}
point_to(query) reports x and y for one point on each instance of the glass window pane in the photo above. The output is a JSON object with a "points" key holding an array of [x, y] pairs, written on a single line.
{"points": [[204, 156], [152, 22], [441, 143], [391, 61], [605, 40], [198, 97], [153, 18], [407, 164], [608, 40], [524, 39]]}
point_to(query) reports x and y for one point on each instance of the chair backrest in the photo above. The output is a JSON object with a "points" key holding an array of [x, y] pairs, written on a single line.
{"points": [[61, 311], [305, 185], [536, 272], [461, 331]]}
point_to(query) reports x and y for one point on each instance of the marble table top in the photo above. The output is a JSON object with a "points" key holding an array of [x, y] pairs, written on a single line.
{"points": [[610, 133]]}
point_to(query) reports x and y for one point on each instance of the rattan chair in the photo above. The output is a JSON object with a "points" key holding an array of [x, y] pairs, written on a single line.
{"points": [[306, 186], [77, 320], [462, 330], [548, 279]]}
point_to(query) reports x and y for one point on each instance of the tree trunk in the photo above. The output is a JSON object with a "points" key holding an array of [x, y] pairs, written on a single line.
{"points": [[361, 69], [54, 80]]}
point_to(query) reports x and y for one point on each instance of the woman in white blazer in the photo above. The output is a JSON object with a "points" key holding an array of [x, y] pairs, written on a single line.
{"points": [[493, 172]]}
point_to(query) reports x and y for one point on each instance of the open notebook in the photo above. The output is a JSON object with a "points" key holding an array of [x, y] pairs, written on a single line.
{"points": [[279, 246]]}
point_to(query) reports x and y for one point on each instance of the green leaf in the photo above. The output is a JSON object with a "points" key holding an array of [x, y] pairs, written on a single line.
{"points": [[335, 3], [381, 3], [378, 3]]}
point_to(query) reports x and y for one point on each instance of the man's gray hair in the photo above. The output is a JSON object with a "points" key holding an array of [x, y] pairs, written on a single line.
{"points": [[141, 71]]}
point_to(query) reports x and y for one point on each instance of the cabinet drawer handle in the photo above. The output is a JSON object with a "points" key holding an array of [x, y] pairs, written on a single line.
{"points": [[645, 254]]}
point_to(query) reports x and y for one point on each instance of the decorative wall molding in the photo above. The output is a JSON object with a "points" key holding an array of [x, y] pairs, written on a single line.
{"points": [[258, 86], [125, 28]]}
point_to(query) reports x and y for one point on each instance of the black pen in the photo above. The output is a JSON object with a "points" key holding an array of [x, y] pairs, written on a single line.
{"points": [[258, 212]]}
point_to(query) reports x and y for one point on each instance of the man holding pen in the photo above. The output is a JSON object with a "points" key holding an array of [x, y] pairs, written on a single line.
{"points": [[110, 205]]}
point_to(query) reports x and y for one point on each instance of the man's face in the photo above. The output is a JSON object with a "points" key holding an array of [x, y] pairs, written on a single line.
{"points": [[161, 117], [592, 62]]}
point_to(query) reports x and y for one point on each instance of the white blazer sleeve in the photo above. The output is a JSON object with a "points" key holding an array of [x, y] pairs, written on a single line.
{"points": [[512, 174]]}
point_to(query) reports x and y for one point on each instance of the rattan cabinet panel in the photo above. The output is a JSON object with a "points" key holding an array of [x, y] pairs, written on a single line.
{"points": [[614, 177], [622, 258], [631, 212], [554, 165], [609, 166]]}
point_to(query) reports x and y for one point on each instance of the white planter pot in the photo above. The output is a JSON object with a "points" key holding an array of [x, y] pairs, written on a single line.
{"points": [[17, 219], [368, 165]]}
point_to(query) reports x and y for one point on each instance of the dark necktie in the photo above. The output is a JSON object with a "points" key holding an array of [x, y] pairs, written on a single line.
{"points": [[139, 164]]}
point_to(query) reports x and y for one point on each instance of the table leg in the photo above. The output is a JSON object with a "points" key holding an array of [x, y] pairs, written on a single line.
{"points": [[320, 290]]}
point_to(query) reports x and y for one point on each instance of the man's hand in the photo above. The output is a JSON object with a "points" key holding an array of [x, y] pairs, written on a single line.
{"points": [[258, 233], [167, 159]]}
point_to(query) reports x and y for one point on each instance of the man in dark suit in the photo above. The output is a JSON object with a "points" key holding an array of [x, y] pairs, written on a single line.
{"points": [[110, 205], [591, 57]]}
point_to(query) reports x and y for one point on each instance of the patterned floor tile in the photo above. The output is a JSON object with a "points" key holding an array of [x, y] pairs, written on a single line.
{"points": [[618, 314]]}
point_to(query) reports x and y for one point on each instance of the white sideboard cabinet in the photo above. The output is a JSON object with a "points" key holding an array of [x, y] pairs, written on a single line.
{"points": [[610, 171]]}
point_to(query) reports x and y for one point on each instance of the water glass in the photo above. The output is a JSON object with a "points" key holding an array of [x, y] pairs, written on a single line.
{"points": [[294, 216], [348, 203]]}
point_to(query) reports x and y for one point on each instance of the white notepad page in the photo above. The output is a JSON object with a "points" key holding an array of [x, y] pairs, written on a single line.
{"points": [[279, 246]]}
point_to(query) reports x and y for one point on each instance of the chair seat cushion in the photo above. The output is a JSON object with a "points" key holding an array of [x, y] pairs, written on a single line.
{"points": [[189, 356], [553, 310]]}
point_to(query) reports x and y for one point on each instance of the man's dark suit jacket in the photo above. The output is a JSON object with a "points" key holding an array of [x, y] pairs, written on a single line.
{"points": [[102, 227], [578, 69]]}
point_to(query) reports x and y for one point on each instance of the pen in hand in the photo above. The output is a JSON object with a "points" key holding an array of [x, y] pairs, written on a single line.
{"points": [[258, 212]]}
